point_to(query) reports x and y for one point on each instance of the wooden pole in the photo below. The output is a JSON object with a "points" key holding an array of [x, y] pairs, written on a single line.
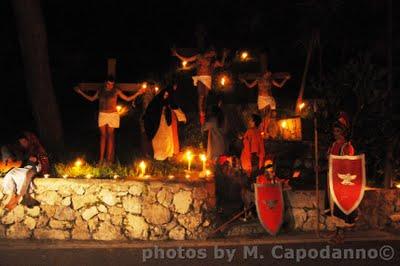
{"points": [[306, 67], [316, 164], [112, 67]]}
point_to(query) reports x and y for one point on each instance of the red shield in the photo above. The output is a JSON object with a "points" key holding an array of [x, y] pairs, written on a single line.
{"points": [[270, 206], [347, 181]]}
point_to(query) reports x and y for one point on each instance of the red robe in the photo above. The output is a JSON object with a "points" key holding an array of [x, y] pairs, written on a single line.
{"points": [[252, 143]]}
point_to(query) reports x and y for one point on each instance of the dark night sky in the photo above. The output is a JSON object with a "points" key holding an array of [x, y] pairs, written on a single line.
{"points": [[83, 34]]}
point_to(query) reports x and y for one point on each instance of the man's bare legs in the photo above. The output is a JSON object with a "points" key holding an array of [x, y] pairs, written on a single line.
{"points": [[202, 92], [110, 144], [103, 139], [15, 199]]}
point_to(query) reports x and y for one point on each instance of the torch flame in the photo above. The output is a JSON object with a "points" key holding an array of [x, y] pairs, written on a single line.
{"points": [[301, 106], [144, 85], [244, 55], [184, 64], [156, 89]]}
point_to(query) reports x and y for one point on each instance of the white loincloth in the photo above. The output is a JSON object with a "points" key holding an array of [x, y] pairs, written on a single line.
{"points": [[205, 79], [14, 180], [264, 101], [110, 119], [163, 143]]}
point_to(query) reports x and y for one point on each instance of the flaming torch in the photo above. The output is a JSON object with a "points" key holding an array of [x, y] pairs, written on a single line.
{"points": [[244, 55]]}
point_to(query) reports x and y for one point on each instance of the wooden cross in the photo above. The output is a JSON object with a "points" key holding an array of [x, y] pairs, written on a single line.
{"points": [[111, 71]]}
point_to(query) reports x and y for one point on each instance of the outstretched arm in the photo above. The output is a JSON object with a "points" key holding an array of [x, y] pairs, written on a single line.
{"points": [[249, 85], [222, 62], [88, 97], [282, 83], [183, 58], [132, 97]]}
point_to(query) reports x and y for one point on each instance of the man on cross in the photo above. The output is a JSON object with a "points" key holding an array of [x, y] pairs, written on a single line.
{"points": [[108, 118], [205, 65]]}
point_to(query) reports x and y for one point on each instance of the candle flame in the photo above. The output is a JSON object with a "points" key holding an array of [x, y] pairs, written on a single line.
{"points": [[203, 157], [244, 55], [189, 155], [398, 185], [78, 163], [223, 81], [284, 124], [208, 173], [65, 176], [142, 166], [144, 85], [116, 176], [170, 177], [46, 175], [156, 89], [184, 63], [88, 176], [119, 108]]}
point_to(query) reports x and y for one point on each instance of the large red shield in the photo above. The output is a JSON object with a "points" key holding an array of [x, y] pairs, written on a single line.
{"points": [[270, 206], [347, 181]]}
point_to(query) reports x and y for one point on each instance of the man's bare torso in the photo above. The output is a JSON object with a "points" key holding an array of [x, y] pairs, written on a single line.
{"points": [[108, 100], [264, 86]]}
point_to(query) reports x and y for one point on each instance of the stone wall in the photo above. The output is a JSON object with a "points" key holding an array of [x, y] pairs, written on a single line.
{"points": [[379, 209], [112, 210]]}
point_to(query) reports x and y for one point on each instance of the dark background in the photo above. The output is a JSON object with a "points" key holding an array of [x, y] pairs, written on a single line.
{"points": [[83, 34]]}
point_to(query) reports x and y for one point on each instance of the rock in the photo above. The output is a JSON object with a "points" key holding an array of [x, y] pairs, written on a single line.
{"points": [[136, 190], [116, 211], [93, 223], [15, 216], [18, 231], [1, 195], [102, 208], [169, 226], [51, 234], [302, 199], [206, 223], [64, 214], [80, 233], [123, 193], [108, 197], [177, 233], [332, 222], [33, 212], [66, 201], [65, 192], [84, 200], [199, 193], [136, 227], [49, 198], [2, 231], [156, 214], [197, 204], [164, 197], [108, 231], [182, 201], [89, 213], [55, 224], [79, 190], [49, 210], [395, 217], [132, 205], [42, 221], [30, 223], [299, 216], [116, 220], [104, 217], [190, 222]]}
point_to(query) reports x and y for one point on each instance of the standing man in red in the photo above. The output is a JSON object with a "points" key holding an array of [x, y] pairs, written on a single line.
{"points": [[341, 146]]}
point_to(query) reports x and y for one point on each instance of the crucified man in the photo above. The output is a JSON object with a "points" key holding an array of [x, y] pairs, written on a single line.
{"points": [[205, 65], [265, 101], [108, 115]]}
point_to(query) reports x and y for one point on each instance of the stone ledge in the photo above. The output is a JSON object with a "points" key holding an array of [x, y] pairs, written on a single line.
{"points": [[98, 209]]}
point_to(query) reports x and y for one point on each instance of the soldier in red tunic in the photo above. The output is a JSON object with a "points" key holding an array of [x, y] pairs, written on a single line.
{"points": [[341, 146]]}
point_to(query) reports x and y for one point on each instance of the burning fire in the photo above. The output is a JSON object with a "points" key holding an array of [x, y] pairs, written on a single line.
{"points": [[223, 81], [284, 124], [78, 163], [184, 64], [144, 85], [301, 106], [142, 167]]}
